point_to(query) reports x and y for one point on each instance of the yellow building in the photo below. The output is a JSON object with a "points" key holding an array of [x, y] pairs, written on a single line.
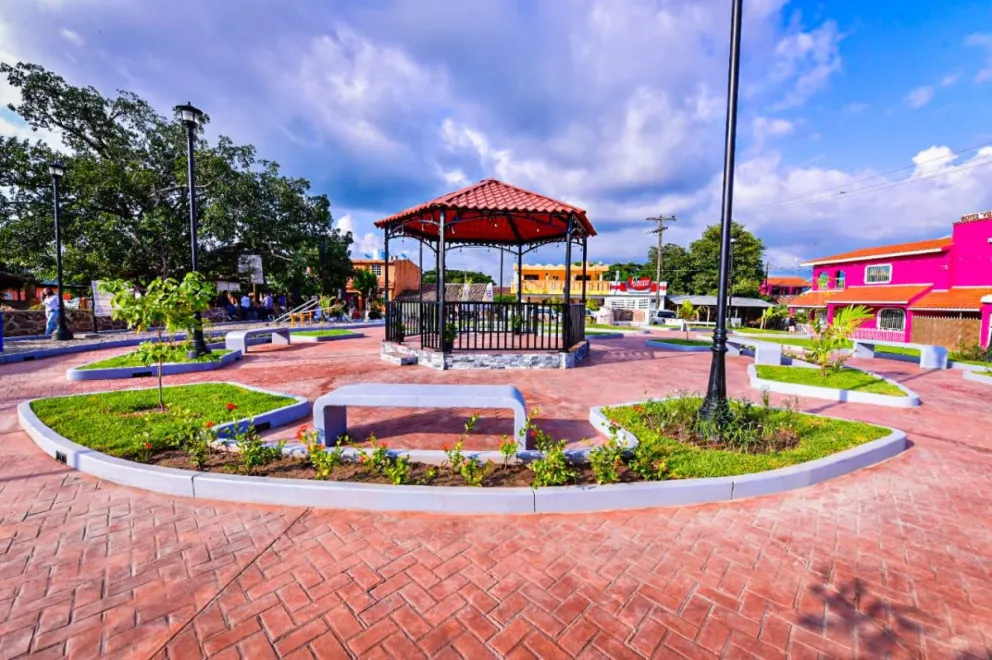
{"points": [[548, 281]]}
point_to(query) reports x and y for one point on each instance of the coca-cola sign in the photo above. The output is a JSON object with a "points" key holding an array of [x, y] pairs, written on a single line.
{"points": [[639, 284]]}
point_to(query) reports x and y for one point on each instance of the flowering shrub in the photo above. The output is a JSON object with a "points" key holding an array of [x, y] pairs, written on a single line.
{"points": [[322, 460], [508, 449]]}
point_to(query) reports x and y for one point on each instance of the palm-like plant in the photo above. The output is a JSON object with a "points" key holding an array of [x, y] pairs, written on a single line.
{"points": [[687, 312], [824, 351]]}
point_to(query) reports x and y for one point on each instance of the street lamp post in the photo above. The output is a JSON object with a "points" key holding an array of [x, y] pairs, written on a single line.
{"points": [[191, 117], [715, 407], [730, 287], [57, 170]]}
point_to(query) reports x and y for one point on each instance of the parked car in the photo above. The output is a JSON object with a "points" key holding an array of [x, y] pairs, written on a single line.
{"points": [[664, 317]]}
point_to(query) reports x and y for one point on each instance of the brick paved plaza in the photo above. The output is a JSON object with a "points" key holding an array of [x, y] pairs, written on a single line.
{"points": [[894, 560]]}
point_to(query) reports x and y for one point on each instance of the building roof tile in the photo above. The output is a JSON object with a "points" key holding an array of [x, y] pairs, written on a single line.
{"points": [[899, 249], [811, 299], [787, 281], [954, 299], [879, 294]]}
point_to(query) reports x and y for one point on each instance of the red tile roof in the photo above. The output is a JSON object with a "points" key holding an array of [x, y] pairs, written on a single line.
{"points": [[787, 281], [957, 298], [879, 294], [491, 211], [812, 299], [916, 247]]}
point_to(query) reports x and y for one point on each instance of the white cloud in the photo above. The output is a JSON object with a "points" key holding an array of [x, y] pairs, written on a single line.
{"points": [[810, 58], [949, 80], [365, 243], [982, 41], [856, 108], [72, 37], [919, 97]]}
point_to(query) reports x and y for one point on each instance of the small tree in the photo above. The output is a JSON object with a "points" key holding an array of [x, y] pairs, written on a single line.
{"points": [[167, 307], [825, 349], [687, 312], [367, 284]]}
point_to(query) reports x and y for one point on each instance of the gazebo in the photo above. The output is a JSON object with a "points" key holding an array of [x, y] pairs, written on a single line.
{"points": [[496, 216]]}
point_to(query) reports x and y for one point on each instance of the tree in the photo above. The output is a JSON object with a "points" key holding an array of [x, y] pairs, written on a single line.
{"points": [[704, 257], [166, 306], [366, 283], [688, 313], [630, 269], [124, 196], [826, 350], [676, 267], [452, 276]]}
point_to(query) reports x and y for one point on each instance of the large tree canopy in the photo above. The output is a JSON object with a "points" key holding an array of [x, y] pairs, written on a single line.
{"points": [[453, 276], [124, 204], [705, 258]]}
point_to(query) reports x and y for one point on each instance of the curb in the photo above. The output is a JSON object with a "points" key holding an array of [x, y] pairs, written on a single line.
{"points": [[170, 481], [608, 335], [977, 377], [965, 366], [310, 339], [662, 344], [911, 400], [168, 369], [513, 500]]}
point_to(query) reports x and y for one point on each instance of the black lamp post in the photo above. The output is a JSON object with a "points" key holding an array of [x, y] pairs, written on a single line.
{"points": [[57, 170], [191, 117], [730, 286], [715, 407]]}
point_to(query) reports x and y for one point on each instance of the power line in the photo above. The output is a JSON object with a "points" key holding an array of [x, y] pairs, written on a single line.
{"points": [[882, 186], [869, 178]]}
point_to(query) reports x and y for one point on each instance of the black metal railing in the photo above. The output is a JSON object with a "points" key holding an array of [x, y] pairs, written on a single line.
{"points": [[485, 326]]}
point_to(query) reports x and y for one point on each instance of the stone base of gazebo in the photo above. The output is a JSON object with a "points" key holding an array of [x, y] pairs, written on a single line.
{"points": [[489, 360]]}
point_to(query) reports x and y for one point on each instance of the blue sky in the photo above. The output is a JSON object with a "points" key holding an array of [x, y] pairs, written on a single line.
{"points": [[615, 106]]}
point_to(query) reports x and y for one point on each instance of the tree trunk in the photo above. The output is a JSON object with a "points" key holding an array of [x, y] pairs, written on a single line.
{"points": [[161, 397]]}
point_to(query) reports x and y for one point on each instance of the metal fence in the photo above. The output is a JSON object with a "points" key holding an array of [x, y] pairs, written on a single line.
{"points": [[485, 326]]}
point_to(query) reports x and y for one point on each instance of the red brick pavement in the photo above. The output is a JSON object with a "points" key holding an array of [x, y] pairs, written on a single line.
{"points": [[892, 561]]}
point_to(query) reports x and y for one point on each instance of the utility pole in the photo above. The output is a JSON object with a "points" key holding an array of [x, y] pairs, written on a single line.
{"points": [[660, 230]]}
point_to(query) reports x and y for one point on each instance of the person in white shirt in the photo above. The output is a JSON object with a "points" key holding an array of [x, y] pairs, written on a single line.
{"points": [[245, 306], [268, 305], [51, 303]]}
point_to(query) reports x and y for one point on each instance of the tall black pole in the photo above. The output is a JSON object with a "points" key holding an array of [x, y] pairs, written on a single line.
{"points": [[520, 274], [730, 269], [61, 333], [501, 251], [440, 281], [715, 407], [585, 258], [566, 310], [199, 346]]}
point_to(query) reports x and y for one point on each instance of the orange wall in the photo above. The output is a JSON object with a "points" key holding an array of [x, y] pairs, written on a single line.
{"points": [[404, 275]]}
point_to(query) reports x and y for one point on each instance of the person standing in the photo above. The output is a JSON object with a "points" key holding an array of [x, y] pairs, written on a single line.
{"points": [[268, 305], [245, 306], [51, 302]]}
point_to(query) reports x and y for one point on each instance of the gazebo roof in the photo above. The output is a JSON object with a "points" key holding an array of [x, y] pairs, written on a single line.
{"points": [[490, 212]]}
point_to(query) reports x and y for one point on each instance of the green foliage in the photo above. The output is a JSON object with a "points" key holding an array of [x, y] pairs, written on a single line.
{"points": [[676, 268], [366, 283], [507, 449], [973, 353], [687, 312], [504, 298], [166, 306], [824, 350], [449, 334], [455, 457], [397, 471], [607, 459], [552, 469], [124, 210], [474, 472], [376, 460], [179, 354], [255, 453], [705, 260], [453, 276], [321, 460]]}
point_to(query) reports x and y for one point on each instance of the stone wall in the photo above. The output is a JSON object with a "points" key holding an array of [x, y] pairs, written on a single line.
{"points": [[23, 323], [473, 360]]}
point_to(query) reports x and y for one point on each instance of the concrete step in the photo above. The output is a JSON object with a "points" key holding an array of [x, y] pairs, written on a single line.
{"points": [[399, 359]]}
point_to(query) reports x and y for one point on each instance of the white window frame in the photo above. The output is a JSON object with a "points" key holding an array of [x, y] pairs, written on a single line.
{"points": [[878, 319], [376, 269], [867, 268]]}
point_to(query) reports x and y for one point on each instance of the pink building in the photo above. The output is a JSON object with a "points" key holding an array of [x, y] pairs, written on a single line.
{"points": [[781, 289], [937, 291]]}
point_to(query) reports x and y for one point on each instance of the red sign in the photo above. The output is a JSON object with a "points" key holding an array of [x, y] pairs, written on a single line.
{"points": [[639, 284]]}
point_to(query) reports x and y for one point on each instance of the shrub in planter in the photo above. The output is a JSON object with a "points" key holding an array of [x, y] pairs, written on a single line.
{"points": [[448, 338]]}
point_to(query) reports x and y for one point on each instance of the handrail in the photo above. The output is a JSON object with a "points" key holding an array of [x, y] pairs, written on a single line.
{"points": [[308, 306]]}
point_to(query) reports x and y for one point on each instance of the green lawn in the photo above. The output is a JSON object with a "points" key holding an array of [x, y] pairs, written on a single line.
{"points": [[115, 422], [898, 350], [683, 342], [759, 331], [132, 360], [337, 332], [797, 341], [819, 437], [845, 379], [614, 328]]}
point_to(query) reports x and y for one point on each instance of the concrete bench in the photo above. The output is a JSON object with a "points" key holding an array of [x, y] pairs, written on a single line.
{"points": [[765, 352], [330, 417], [237, 340], [931, 357]]}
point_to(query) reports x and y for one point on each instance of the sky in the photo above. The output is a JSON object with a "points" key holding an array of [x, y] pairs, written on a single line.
{"points": [[860, 123]]}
